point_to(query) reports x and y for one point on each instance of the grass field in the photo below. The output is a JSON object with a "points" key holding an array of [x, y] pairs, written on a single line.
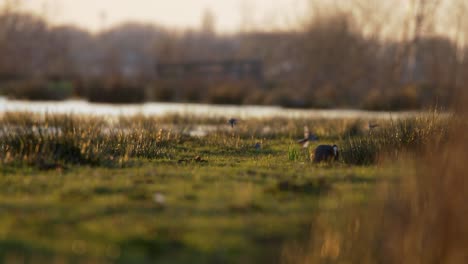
{"points": [[187, 190]]}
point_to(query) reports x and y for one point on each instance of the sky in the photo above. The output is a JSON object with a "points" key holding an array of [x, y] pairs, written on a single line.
{"points": [[231, 15]]}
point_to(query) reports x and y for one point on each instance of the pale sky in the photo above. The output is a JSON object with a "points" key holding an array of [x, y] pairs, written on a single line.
{"points": [[99, 14]]}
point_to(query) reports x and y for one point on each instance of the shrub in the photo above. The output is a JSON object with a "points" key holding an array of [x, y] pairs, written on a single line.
{"points": [[39, 89], [406, 98], [255, 97], [163, 91], [114, 90], [286, 99], [227, 93]]}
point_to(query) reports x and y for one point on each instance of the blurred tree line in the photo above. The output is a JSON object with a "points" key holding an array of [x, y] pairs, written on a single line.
{"points": [[362, 54]]}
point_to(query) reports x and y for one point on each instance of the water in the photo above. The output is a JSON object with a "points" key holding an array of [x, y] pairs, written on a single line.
{"points": [[82, 107]]}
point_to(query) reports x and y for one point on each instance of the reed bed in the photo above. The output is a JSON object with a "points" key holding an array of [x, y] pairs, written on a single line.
{"points": [[60, 139], [415, 214], [396, 138], [97, 141], [181, 191]]}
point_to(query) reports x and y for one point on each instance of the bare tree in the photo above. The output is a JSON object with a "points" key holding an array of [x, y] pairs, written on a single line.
{"points": [[460, 8], [423, 15], [208, 22]]}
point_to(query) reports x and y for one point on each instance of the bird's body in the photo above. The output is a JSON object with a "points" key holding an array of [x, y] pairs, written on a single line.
{"points": [[258, 146], [232, 122], [307, 138], [326, 153], [373, 125]]}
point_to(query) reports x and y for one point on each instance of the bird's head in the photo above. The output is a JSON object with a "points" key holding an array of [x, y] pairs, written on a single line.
{"points": [[335, 151]]}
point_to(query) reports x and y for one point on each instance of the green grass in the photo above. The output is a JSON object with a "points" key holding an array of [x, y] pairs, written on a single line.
{"points": [[141, 191]]}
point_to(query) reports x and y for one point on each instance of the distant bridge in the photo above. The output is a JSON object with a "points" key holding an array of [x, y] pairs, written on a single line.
{"points": [[212, 70]]}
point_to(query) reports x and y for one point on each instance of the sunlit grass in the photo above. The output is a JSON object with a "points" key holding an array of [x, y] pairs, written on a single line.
{"points": [[396, 138], [66, 139], [142, 189]]}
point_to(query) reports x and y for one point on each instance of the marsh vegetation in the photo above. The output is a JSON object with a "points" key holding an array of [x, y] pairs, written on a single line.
{"points": [[144, 189], [111, 152]]}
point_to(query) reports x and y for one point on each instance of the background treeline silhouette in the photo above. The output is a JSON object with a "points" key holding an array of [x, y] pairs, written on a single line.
{"points": [[332, 60]]}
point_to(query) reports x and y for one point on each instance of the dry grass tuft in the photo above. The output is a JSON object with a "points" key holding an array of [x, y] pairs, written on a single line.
{"points": [[416, 215]]}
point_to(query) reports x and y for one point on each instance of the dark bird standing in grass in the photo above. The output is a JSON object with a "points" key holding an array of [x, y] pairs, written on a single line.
{"points": [[326, 153], [307, 138], [233, 122], [258, 146]]}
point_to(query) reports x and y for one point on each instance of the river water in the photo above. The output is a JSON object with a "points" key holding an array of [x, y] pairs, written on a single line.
{"points": [[82, 107]]}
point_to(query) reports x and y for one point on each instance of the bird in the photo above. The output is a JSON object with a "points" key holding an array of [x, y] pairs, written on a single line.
{"points": [[326, 153], [307, 138], [233, 122], [373, 125], [258, 146]]}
